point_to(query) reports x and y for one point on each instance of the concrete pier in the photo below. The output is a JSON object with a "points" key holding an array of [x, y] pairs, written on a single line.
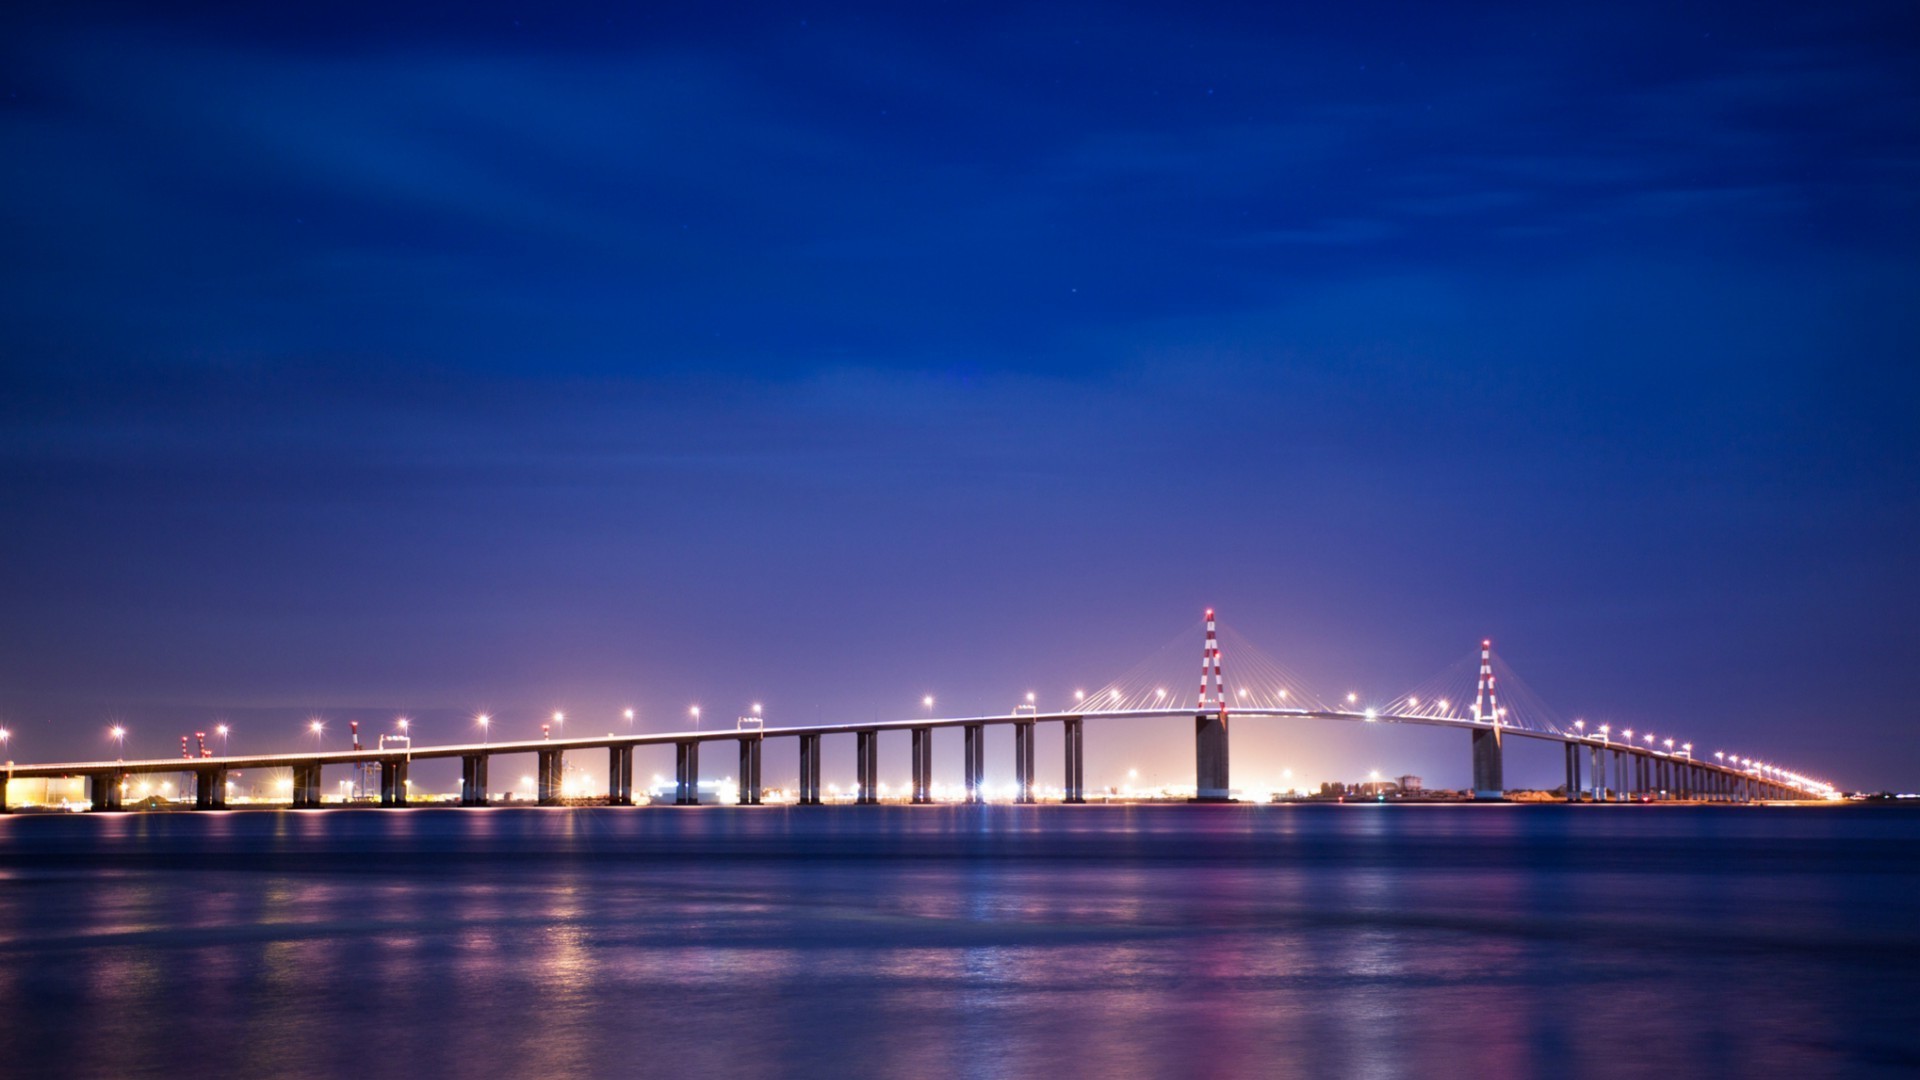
{"points": [[686, 773], [1489, 766], [749, 780], [922, 765], [549, 774], [103, 790], [473, 780], [619, 776], [209, 789], [1023, 761], [974, 752], [809, 770], [393, 783], [1211, 782], [306, 786], [866, 766], [1076, 781]]}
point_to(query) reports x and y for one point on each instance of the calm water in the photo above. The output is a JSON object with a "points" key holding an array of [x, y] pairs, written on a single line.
{"points": [[1146, 941]]}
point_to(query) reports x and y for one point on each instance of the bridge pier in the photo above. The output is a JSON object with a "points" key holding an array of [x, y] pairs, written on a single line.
{"points": [[1211, 779], [749, 787], [1076, 785], [866, 767], [210, 789], [1596, 775], [103, 790], [973, 751], [306, 786], [549, 776], [686, 773], [1489, 766], [393, 783], [809, 770], [473, 780], [619, 776], [1023, 761], [922, 765], [1570, 755]]}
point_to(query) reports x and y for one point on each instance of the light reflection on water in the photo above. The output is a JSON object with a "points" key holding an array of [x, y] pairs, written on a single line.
{"points": [[1445, 941]]}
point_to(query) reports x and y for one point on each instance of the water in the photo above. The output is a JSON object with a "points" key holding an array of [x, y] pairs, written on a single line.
{"points": [[951, 941]]}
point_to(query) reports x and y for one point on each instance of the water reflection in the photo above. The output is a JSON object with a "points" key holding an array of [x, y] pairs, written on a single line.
{"points": [[1162, 941]]}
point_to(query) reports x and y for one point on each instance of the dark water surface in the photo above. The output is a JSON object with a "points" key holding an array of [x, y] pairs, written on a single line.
{"points": [[1456, 941]]}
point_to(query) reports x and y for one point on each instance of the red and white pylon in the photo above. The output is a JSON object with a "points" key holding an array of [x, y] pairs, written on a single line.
{"points": [[1487, 705], [1210, 662]]}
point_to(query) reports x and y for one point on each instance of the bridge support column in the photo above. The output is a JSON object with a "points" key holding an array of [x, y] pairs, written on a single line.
{"points": [[4, 781], [1212, 781], [619, 776], [473, 780], [1596, 774], [548, 776], [1023, 761], [750, 770], [393, 783], [974, 752], [809, 770], [866, 766], [1489, 766], [306, 786], [103, 790], [686, 773], [922, 765], [1076, 785], [1571, 755], [210, 789]]}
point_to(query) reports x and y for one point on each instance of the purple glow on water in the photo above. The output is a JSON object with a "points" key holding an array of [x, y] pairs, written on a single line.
{"points": [[1485, 941]]}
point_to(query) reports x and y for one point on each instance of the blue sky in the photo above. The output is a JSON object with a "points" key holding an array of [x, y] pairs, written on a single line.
{"points": [[361, 362]]}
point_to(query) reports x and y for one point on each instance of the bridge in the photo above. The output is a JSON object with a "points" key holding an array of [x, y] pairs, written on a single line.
{"points": [[1600, 764]]}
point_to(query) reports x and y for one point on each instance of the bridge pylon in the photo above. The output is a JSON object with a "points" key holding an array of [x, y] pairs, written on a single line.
{"points": [[1211, 782], [1489, 767]]}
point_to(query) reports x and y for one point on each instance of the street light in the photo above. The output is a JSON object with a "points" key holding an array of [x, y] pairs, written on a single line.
{"points": [[696, 715], [119, 736], [316, 727], [221, 730], [928, 702], [629, 716], [486, 727], [403, 725]]}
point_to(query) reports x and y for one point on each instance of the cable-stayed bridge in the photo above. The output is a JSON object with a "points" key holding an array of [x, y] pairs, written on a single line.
{"points": [[1479, 696]]}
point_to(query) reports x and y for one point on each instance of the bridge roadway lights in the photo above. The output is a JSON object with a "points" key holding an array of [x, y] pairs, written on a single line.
{"points": [[393, 783], [473, 780], [866, 766], [1023, 761], [1076, 785], [103, 791], [619, 776], [686, 773], [1489, 771], [1210, 777], [922, 765], [209, 789], [809, 770], [974, 752], [750, 770]]}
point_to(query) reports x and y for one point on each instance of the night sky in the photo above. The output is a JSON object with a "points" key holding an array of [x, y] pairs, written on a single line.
{"points": [[356, 363]]}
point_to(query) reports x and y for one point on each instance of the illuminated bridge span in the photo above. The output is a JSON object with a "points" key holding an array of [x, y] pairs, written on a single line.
{"points": [[1601, 764]]}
